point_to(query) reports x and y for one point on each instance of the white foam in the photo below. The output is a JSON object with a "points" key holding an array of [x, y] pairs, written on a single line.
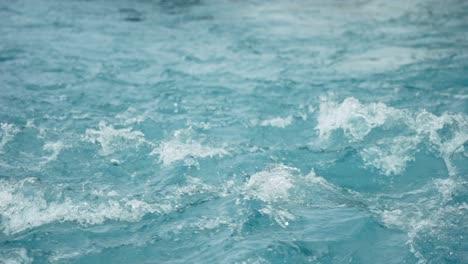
{"points": [[431, 126], [110, 138], [272, 184], [448, 145], [183, 146], [421, 211], [115, 162], [281, 122], [7, 134], [171, 151], [20, 211], [446, 187], [354, 118], [390, 155], [15, 256], [54, 148]]}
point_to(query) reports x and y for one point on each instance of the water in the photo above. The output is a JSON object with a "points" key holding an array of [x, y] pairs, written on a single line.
{"points": [[233, 131]]}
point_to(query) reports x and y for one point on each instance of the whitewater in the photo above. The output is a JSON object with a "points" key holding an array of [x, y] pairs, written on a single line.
{"points": [[200, 131]]}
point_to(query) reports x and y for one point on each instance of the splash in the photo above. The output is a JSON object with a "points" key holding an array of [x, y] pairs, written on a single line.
{"points": [[279, 184], [111, 139], [21, 210], [7, 134], [390, 155], [272, 184], [353, 117], [183, 146], [428, 216], [15, 256], [54, 148], [277, 122], [446, 133]]}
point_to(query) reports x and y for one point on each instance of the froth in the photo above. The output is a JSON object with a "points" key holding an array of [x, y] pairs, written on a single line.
{"points": [[54, 148], [278, 185], [182, 146], [446, 133], [272, 184], [110, 138], [354, 118], [24, 210], [7, 134], [277, 122], [390, 155], [423, 211], [15, 256]]}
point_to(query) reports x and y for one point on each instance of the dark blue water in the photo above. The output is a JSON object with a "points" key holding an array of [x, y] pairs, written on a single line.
{"points": [[233, 131]]}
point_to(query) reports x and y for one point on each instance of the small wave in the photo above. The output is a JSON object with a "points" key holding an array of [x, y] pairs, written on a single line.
{"points": [[21, 210], [15, 256], [428, 216], [110, 138], [446, 133], [272, 184], [390, 155], [183, 146], [7, 134], [54, 148], [278, 185], [280, 122], [354, 118]]}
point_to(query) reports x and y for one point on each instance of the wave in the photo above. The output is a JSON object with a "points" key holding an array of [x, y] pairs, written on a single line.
{"points": [[280, 122], [54, 148], [446, 134], [15, 256], [21, 208], [182, 146], [7, 134], [111, 139], [425, 214]]}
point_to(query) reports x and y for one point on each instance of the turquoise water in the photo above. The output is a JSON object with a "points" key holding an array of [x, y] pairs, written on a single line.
{"points": [[233, 131]]}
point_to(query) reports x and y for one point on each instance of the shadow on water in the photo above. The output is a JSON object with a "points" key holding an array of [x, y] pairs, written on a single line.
{"points": [[131, 14], [177, 6], [166, 6]]}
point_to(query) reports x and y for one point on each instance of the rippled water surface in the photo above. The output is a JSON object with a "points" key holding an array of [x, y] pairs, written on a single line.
{"points": [[233, 131]]}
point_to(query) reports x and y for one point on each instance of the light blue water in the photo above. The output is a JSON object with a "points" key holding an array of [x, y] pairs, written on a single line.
{"points": [[233, 131]]}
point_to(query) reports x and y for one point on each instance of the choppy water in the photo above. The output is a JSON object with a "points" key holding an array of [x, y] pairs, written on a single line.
{"points": [[233, 131]]}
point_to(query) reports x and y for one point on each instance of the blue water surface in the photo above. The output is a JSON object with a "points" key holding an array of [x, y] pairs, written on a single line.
{"points": [[224, 131]]}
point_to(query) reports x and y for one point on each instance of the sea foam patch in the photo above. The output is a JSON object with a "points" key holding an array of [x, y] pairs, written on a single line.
{"points": [[15, 256], [280, 122], [390, 155], [182, 146], [446, 133], [21, 209], [353, 117], [272, 184], [110, 138], [7, 134], [54, 148]]}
